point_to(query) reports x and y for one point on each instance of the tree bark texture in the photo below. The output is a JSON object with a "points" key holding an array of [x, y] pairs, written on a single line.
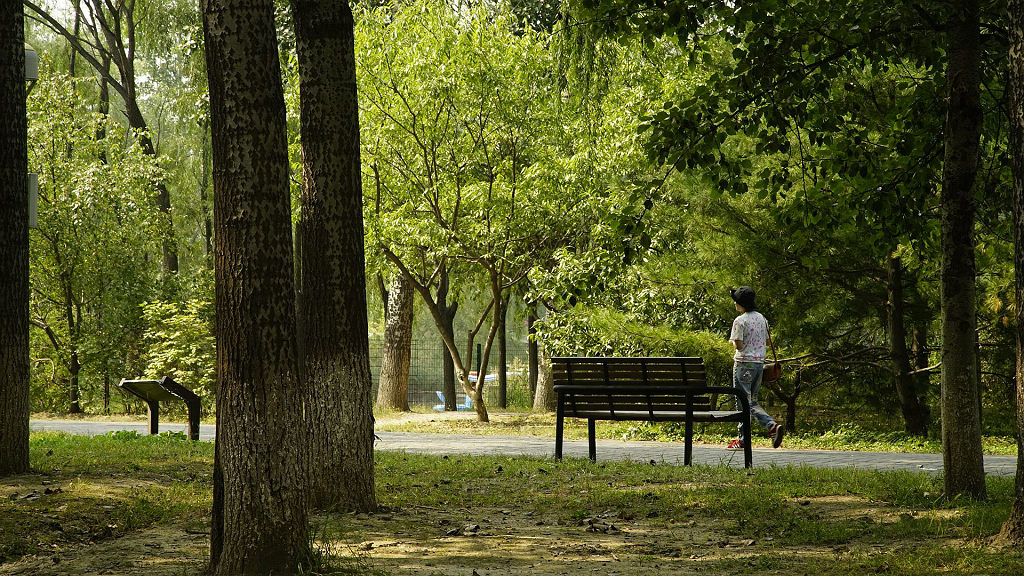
{"points": [[544, 399], [915, 414], [961, 418], [14, 287], [1013, 529], [393, 391], [259, 518], [337, 348]]}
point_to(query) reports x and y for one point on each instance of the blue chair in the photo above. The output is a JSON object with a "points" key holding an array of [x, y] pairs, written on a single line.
{"points": [[468, 405]]}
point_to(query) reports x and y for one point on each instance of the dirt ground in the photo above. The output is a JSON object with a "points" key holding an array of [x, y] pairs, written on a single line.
{"points": [[467, 542]]}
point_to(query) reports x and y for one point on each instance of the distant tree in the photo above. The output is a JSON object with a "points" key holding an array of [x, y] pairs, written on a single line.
{"points": [[393, 387], [90, 273], [111, 49], [460, 157], [260, 486], [334, 324], [14, 288]]}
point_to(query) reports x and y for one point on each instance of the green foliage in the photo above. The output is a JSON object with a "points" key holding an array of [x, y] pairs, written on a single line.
{"points": [[179, 343], [456, 120], [90, 269], [586, 331]]}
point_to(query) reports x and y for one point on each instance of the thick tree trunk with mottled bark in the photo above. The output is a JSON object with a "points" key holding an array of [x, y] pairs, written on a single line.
{"points": [[961, 417], [915, 414], [1013, 529], [259, 519], [14, 289], [393, 390], [337, 348]]}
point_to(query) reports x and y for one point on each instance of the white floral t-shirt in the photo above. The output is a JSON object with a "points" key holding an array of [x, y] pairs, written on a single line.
{"points": [[752, 329]]}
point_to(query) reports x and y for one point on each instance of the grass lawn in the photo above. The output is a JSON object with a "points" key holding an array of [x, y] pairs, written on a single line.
{"points": [[127, 504]]}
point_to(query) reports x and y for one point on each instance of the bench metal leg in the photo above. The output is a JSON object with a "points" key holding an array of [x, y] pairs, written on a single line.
{"points": [[591, 440], [559, 425], [688, 450]]}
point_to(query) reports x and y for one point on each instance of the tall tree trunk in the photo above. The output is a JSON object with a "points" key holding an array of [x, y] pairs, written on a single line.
{"points": [[961, 427], [1013, 529], [14, 288], [259, 519], [544, 399], [915, 415], [447, 313], [393, 390], [337, 348]]}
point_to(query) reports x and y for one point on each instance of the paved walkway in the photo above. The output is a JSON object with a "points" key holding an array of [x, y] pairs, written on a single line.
{"points": [[671, 452]]}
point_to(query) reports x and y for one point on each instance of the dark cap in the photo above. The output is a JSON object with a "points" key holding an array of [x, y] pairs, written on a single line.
{"points": [[744, 296]]}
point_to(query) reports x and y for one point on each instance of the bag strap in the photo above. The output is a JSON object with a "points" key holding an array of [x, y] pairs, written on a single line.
{"points": [[775, 357]]}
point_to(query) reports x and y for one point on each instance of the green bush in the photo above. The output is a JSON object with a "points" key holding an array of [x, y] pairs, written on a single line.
{"points": [[583, 331], [179, 343]]}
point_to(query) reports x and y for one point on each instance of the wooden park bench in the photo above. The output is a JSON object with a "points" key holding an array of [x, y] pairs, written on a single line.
{"points": [[643, 389], [152, 392]]}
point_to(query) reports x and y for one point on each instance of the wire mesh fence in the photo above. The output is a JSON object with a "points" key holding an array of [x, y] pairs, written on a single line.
{"points": [[426, 373]]}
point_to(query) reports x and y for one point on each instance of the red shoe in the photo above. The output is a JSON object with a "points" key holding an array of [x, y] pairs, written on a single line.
{"points": [[736, 444]]}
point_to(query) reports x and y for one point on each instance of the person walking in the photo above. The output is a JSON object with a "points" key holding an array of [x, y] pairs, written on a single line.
{"points": [[750, 337]]}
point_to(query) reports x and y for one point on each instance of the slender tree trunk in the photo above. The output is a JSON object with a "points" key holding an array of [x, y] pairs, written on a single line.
{"points": [[447, 314], [503, 356], [74, 383], [921, 357], [1013, 529], [259, 517], [544, 399], [961, 428], [915, 415], [14, 287], [337, 348], [532, 351], [393, 391]]}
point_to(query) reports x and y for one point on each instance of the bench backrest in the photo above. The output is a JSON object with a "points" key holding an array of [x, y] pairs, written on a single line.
{"points": [[624, 384]]}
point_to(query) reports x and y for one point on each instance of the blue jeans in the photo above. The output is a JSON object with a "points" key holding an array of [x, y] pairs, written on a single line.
{"points": [[747, 377]]}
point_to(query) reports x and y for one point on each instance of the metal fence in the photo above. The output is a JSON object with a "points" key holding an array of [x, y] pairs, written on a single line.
{"points": [[426, 372]]}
